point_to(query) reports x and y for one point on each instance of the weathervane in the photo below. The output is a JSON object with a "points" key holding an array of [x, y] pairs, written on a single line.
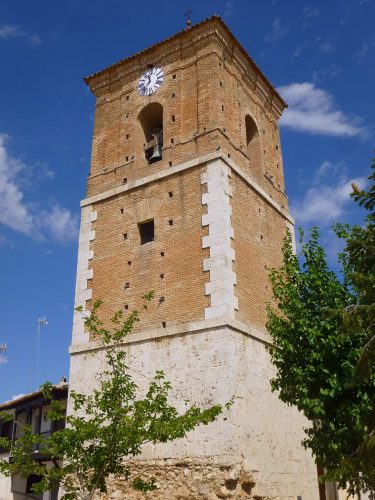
{"points": [[3, 349], [42, 321], [188, 20]]}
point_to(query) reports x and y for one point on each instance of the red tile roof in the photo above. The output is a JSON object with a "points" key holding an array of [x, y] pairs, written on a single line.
{"points": [[13, 403]]}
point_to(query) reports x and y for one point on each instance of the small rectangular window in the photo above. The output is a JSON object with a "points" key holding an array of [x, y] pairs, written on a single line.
{"points": [[146, 231], [6, 431], [30, 481]]}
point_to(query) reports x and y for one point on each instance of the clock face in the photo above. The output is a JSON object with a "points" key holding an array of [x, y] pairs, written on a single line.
{"points": [[150, 81]]}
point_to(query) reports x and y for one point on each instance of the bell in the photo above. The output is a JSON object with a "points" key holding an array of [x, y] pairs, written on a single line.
{"points": [[156, 154]]}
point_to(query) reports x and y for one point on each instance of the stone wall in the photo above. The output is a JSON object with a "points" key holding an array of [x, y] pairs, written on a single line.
{"points": [[188, 480], [5, 484], [207, 364]]}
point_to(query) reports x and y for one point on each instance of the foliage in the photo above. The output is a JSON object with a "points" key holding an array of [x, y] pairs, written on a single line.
{"points": [[358, 259], [323, 348], [108, 426]]}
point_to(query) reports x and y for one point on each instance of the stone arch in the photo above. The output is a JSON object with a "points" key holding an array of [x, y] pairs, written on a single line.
{"points": [[151, 120]]}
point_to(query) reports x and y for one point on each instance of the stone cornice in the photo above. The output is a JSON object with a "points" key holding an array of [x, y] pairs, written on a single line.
{"points": [[185, 44], [194, 327], [161, 174]]}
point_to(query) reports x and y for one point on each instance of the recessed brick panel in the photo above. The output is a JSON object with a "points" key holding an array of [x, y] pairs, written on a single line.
{"points": [[184, 281]]}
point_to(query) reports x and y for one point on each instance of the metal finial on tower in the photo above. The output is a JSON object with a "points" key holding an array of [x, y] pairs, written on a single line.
{"points": [[35, 361], [42, 321], [3, 350], [188, 19]]}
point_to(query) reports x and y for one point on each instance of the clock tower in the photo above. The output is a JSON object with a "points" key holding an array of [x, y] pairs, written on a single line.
{"points": [[186, 197]]}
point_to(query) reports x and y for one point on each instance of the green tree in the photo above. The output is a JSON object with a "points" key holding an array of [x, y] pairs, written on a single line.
{"points": [[323, 347], [108, 427], [358, 259]]}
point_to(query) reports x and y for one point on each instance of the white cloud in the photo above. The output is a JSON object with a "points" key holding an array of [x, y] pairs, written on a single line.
{"points": [[297, 52], [34, 175], [8, 31], [277, 31], [330, 72], [326, 47], [313, 110], [35, 39], [328, 198], [24, 217], [310, 12], [14, 213], [362, 53], [326, 169], [228, 8], [60, 223], [3, 360]]}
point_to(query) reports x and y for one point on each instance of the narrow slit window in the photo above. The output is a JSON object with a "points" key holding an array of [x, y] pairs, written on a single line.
{"points": [[147, 231]]}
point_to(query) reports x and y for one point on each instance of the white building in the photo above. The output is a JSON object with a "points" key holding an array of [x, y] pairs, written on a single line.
{"points": [[31, 409]]}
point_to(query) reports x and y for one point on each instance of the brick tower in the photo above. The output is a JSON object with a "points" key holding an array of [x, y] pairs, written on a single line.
{"points": [[185, 196]]}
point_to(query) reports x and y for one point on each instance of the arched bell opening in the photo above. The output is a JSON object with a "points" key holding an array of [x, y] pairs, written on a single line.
{"points": [[151, 120], [253, 143]]}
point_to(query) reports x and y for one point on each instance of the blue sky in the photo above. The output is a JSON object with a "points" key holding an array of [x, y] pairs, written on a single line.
{"points": [[319, 54]]}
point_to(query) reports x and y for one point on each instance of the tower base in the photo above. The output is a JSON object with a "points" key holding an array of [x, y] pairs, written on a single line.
{"points": [[253, 450]]}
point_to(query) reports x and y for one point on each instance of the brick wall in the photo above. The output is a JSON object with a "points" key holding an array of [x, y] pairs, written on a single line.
{"points": [[177, 276], [205, 102], [206, 94], [258, 234]]}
